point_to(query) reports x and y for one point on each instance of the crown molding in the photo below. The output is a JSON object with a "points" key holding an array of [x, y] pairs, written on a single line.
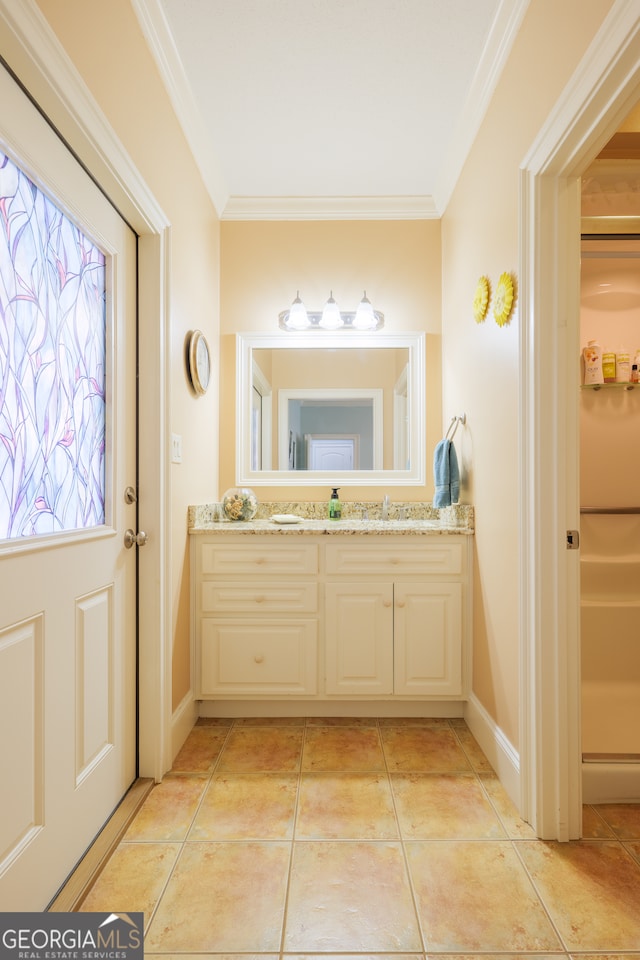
{"points": [[495, 53], [155, 29], [330, 208]]}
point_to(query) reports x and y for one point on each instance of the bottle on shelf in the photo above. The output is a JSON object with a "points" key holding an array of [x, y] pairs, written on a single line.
{"points": [[592, 363], [609, 365], [623, 366]]}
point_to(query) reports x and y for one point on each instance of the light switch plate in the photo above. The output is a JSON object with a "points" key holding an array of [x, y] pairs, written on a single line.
{"points": [[176, 448]]}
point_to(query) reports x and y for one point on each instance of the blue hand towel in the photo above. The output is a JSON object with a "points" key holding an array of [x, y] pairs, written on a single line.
{"points": [[446, 475]]}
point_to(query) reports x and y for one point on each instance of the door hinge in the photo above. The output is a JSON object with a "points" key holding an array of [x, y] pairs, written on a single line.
{"points": [[573, 539]]}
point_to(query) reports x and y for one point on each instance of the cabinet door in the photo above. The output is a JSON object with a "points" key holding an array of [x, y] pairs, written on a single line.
{"points": [[428, 638], [359, 638]]}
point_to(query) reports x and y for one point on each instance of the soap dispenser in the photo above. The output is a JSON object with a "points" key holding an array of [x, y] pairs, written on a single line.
{"points": [[335, 510]]}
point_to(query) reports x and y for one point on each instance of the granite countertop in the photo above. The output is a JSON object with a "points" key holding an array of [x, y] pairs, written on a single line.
{"points": [[407, 519]]}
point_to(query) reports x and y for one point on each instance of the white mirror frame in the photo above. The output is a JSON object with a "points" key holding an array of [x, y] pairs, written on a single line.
{"points": [[246, 343]]}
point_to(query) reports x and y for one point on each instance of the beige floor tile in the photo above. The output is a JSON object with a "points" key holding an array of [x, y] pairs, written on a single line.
{"points": [[345, 806], [355, 956], [472, 749], [593, 826], [603, 956], [169, 809], [215, 722], [440, 806], [633, 848], [216, 956], [342, 722], [247, 806], [591, 889], [350, 749], [516, 827], [133, 879], [201, 749], [623, 818], [223, 897], [262, 749], [476, 896], [349, 897], [423, 749], [270, 722]]}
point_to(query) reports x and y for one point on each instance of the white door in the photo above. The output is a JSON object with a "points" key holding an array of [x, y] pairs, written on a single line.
{"points": [[67, 596], [331, 453]]}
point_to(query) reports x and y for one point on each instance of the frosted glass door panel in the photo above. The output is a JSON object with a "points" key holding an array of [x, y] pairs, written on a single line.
{"points": [[52, 366]]}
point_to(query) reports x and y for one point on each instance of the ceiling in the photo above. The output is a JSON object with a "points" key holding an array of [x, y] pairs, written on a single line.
{"points": [[330, 108]]}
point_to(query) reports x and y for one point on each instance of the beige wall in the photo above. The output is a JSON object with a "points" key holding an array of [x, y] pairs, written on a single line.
{"points": [[264, 264], [106, 45], [481, 361]]}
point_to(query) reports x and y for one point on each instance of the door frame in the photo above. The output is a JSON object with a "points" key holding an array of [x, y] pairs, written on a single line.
{"points": [[603, 89], [37, 59]]}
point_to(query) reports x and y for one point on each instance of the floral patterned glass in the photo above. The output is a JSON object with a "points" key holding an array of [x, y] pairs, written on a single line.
{"points": [[52, 366]]}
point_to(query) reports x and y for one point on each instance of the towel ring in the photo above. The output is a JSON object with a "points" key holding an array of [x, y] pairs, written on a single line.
{"points": [[462, 418]]}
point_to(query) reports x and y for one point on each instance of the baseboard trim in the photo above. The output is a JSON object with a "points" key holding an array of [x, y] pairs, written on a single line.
{"points": [[330, 708], [182, 723], [81, 879], [500, 753]]}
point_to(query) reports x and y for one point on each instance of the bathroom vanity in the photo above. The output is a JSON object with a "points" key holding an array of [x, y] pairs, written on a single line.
{"points": [[321, 612]]}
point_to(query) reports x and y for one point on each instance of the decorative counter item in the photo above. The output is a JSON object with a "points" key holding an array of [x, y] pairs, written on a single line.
{"points": [[239, 503]]}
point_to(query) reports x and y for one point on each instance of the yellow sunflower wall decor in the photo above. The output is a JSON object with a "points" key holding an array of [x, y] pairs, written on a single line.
{"points": [[481, 299], [503, 299]]}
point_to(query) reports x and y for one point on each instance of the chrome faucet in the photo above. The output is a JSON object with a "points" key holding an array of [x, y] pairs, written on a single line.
{"points": [[386, 503]]}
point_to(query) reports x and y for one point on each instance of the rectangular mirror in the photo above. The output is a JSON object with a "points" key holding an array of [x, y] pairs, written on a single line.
{"points": [[318, 408]]}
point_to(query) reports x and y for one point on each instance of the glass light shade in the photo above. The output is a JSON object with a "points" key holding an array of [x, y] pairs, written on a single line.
{"points": [[365, 318], [331, 319], [298, 318]]}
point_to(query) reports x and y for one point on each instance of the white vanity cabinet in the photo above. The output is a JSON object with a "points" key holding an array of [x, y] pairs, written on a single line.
{"points": [[331, 617], [256, 610], [399, 629]]}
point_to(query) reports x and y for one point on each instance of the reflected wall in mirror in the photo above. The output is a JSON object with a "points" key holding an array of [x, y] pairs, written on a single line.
{"points": [[314, 408]]}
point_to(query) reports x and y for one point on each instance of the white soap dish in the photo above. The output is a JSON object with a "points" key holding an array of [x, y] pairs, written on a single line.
{"points": [[285, 518]]}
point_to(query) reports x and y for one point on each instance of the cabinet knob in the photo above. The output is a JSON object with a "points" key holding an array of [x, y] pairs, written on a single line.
{"points": [[259, 658], [386, 603], [400, 603]]}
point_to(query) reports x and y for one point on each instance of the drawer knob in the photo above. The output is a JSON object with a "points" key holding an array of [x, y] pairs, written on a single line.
{"points": [[259, 658], [395, 560], [260, 599], [261, 559]]}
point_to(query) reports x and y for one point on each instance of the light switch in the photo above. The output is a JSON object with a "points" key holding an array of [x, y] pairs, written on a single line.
{"points": [[176, 448]]}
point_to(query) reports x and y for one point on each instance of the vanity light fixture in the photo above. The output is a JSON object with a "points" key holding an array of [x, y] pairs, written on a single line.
{"points": [[331, 319], [297, 318]]}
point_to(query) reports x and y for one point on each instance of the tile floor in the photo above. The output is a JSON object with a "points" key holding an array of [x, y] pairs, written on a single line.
{"points": [[363, 838]]}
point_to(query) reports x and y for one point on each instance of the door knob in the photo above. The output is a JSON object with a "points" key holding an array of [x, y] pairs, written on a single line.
{"points": [[134, 539]]}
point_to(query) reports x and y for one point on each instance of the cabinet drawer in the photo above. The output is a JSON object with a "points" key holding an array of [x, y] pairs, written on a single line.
{"points": [[228, 597], [248, 656], [400, 557], [257, 557]]}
